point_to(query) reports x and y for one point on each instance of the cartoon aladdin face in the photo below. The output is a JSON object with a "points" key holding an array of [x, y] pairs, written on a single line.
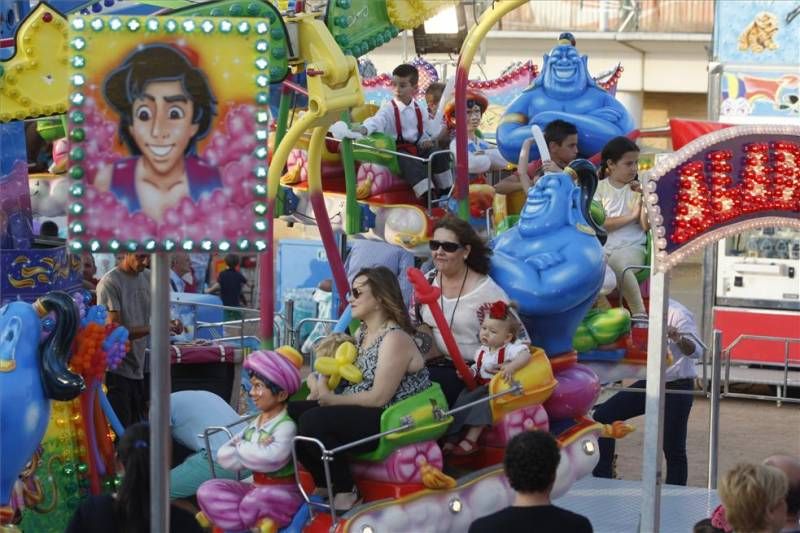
{"points": [[165, 105], [162, 125]]}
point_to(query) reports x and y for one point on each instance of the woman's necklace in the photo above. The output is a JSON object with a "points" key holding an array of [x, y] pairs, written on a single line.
{"points": [[441, 294]]}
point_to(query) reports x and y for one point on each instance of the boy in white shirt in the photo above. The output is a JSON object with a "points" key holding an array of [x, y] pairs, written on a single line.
{"points": [[408, 121]]}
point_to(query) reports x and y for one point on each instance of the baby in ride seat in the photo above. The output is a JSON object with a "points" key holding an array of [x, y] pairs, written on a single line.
{"points": [[265, 447], [498, 353]]}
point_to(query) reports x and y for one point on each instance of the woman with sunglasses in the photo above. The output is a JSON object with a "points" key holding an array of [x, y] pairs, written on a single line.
{"points": [[461, 268], [393, 369]]}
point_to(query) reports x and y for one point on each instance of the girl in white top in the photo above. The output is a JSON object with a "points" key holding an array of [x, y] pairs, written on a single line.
{"points": [[626, 218]]}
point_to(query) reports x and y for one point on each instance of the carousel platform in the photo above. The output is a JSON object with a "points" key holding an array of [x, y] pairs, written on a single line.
{"points": [[613, 505]]}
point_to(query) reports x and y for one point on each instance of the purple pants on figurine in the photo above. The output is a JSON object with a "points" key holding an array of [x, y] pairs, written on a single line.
{"points": [[233, 505]]}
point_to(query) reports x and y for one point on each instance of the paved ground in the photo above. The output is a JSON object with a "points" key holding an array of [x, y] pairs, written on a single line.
{"points": [[750, 430]]}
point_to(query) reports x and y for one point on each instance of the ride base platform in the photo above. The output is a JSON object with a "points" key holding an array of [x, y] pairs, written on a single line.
{"points": [[613, 505]]}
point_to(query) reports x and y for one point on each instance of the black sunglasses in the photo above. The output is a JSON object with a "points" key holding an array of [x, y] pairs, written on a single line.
{"points": [[355, 293], [447, 246], [473, 103]]}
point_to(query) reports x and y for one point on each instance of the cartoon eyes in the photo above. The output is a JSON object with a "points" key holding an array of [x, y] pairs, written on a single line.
{"points": [[176, 113], [144, 114]]}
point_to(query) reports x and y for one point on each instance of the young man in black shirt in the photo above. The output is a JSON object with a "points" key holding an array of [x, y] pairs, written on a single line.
{"points": [[531, 461]]}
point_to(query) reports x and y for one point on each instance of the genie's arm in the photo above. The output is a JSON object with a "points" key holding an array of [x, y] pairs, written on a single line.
{"points": [[544, 286], [514, 128]]}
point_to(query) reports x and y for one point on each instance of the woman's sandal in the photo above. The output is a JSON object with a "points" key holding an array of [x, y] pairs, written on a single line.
{"points": [[465, 447]]}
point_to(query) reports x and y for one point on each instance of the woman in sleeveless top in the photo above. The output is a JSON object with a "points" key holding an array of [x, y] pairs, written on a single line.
{"points": [[392, 367]]}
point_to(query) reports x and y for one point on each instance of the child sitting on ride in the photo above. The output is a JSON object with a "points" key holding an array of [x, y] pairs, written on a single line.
{"points": [[265, 447], [416, 134], [326, 347], [482, 156], [626, 221], [433, 97], [498, 353]]}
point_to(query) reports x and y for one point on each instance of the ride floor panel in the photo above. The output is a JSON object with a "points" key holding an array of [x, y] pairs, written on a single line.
{"points": [[613, 505]]}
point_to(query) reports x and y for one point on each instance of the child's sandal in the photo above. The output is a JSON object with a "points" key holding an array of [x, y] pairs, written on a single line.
{"points": [[465, 448]]}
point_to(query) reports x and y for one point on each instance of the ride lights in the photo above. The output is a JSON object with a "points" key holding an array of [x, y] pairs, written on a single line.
{"points": [[719, 185]]}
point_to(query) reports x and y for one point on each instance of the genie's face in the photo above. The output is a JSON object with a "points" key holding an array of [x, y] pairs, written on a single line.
{"points": [[548, 205], [565, 73], [18, 337]]}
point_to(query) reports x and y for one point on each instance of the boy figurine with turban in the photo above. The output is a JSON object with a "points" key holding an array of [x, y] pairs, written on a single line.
{"points": [[265, 447]]}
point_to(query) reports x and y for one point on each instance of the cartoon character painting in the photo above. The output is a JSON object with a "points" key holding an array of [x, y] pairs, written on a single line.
{"points": [[165, 105], [759, 35], [565, 90]]}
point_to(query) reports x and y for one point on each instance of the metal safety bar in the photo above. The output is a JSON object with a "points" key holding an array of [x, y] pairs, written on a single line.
{"points": [[427, 160], [327, 470], [213, 430], [296, 331]]}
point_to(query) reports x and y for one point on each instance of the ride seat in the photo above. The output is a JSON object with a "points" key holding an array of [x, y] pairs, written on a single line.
{"points": [[422, 409]]}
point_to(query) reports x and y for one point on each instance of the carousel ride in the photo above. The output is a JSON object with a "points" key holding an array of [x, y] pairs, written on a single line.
{"points": [[403, 478]]}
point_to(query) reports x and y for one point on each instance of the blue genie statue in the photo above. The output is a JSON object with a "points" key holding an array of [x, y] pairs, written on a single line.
{"points": [[565, 90], [552, 262], [31, 374]]}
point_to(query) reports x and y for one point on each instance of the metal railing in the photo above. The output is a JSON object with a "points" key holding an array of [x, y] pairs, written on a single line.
{"points": [[782, 393], [408, 422], [427, 161], [213, 430]]}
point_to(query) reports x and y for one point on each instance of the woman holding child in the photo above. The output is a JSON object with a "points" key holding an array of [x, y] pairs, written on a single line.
{"points": [[461, 268], [392, 368]]}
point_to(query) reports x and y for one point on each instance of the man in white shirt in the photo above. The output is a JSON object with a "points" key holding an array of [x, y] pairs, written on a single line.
{"points": [[680, 376], [406, 119]]}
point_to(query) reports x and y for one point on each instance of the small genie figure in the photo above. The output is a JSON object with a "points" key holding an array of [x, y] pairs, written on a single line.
{"points": [[32, 374], [565, 90], [552, 262]]}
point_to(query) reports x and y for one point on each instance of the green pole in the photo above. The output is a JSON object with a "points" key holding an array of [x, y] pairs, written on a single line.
{"points": [[280, 132], [352, 221]]}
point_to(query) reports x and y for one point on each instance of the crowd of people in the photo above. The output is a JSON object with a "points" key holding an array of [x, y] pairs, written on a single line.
{"points": [[401, 352]]}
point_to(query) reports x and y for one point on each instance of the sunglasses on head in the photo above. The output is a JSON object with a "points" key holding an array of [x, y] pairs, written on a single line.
{"points": [[473, 103], [445, 245]]}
